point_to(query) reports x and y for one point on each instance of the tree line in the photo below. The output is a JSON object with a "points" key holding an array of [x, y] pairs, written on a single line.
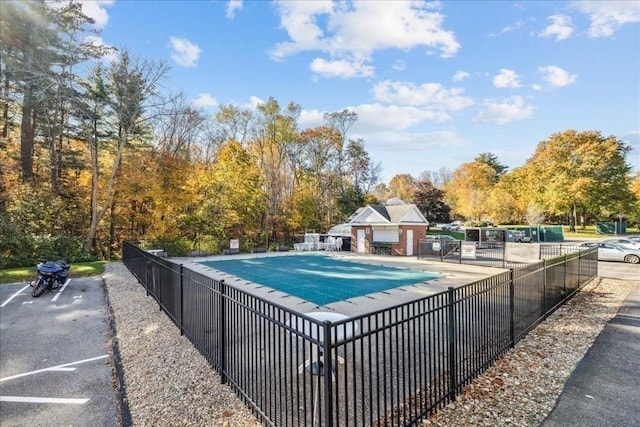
{"points": [[94, 152]]}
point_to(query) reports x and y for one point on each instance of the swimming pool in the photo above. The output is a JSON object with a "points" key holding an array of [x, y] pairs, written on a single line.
{"points": [[317, 278]]}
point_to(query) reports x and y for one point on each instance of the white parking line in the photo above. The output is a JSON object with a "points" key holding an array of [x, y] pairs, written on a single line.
{"points": [[61, 290], [43, 400], [54, 368], [13, 296]]}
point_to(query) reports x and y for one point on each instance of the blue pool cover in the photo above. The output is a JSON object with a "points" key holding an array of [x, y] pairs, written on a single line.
{"points": [[319, 279]]}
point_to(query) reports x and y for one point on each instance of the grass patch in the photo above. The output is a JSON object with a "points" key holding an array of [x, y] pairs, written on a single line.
{"points": [[26, 274], [458, 235]]}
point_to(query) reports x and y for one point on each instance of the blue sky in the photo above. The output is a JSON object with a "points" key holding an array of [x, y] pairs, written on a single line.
{"points": [[433, 83]]}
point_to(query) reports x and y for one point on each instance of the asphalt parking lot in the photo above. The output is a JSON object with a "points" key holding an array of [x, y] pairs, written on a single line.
{"points": [[55, 365], [619, 270]]}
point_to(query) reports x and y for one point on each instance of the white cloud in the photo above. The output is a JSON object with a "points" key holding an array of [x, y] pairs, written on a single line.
{"points": [[111, 52], [399, 65], [205, 100], [311, 118], [184, 52], [378, 117], [96, 9], [506, 79], [608, 16], [509, 28], [413, 141], [431, 95], [460, 76], [343, 68], [504, 111], [556, 76], [561, 27], [253, 103], [353, 30], [232, 6]]}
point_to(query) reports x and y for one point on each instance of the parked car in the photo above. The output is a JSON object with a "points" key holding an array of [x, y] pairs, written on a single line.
{"points": [[521, 237], [454, 226], [613, 252], [622, 242], [441, 237]]}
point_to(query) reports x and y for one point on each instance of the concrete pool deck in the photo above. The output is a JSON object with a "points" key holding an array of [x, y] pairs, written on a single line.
{"points": [[452, 275]]}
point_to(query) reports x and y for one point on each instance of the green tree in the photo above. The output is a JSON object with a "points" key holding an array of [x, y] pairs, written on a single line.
{"points": [[492, 160], [431, 202]]}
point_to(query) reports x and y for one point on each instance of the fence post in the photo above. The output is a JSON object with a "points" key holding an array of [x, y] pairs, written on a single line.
{"points": [[564, 281], [181, 301], [504, 261], [544, 287], [453, 382], [327, 373], [158, 288], [222, 333], [512, 309], [148, 267]]}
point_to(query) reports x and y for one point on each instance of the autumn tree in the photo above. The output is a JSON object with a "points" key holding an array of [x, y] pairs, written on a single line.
{"points": [[131, 89], [439, 178], [469, 189], [402, 186], [582, 172], [341, 121], [230, 123], [234, 202], [634, 214], [274, 133], [318, 160]]}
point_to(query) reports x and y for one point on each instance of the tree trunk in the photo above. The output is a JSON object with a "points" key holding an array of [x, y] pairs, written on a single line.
{"points": [[574, 219], [4, 132], [98, 214], [26, 138]]}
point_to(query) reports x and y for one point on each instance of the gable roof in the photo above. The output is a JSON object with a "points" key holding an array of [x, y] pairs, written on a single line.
{"points": [[389, 215]]}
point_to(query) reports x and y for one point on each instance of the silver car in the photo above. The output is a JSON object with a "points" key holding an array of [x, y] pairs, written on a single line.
{"points": [[614, 252], [621, 241]]}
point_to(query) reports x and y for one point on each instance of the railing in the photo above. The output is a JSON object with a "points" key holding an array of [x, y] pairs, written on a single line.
{"points": [[490, 254], [386, 368]]}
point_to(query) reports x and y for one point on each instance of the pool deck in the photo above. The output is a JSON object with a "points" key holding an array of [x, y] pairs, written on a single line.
{"points": [[453, 275]]}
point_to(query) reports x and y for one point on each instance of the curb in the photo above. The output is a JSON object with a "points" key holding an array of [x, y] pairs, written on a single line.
{"points": [[116, 368]]}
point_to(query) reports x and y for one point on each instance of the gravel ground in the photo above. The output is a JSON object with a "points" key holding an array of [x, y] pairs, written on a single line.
{"points": [[177, 387]]}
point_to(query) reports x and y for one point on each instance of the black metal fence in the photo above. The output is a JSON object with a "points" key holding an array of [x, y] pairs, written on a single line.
{"points": [[490, 254], [386, 368]]}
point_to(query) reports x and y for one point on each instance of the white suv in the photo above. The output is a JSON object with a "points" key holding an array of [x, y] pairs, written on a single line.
{"points": [[450, 227]]}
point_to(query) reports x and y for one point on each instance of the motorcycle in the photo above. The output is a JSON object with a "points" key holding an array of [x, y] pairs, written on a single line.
{"points": [[51, 275]]}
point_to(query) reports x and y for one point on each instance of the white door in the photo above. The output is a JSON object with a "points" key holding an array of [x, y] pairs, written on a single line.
{"points": [[360, 241], [409, 236]]}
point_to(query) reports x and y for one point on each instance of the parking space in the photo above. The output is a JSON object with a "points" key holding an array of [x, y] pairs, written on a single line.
{"points": [[54, 356]]}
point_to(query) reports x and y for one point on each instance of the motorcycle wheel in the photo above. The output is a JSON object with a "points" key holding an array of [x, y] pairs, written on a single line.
{"points": [[39, 289]]}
